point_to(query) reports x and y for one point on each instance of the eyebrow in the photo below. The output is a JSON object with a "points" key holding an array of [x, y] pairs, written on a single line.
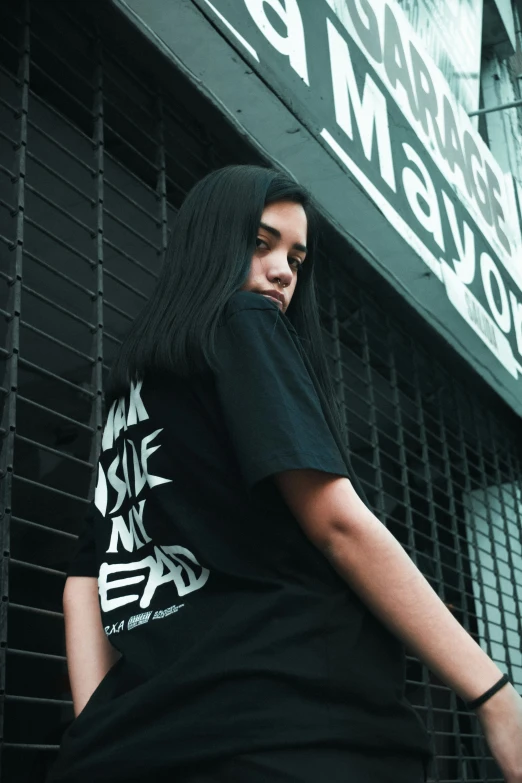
{"points": [[277, 234]]}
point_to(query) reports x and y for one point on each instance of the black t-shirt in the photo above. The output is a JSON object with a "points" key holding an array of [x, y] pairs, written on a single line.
{"points": [[235, 631]]}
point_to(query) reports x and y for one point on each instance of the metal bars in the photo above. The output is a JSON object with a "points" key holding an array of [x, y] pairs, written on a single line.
{"points": [[98, 148], [13, 343], [449, 465], [337, 372]]}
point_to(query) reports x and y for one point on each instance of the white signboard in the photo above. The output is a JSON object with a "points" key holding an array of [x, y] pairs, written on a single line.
{"points": [[451, 32]]}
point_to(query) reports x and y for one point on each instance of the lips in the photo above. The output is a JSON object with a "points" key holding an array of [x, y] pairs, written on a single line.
{"points": [[273, 299], [275, 295]]}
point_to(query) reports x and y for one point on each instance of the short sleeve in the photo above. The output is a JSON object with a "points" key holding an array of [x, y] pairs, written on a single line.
{"points": [[83, 561], [269, 402]]}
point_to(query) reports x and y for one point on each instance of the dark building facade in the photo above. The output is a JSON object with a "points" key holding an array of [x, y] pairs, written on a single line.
{"points": [[109, 112]]}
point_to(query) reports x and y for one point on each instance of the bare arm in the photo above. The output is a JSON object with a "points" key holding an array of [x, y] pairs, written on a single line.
{"points": [[368, 557], [371, 560], [89, 653], [376, 566]]}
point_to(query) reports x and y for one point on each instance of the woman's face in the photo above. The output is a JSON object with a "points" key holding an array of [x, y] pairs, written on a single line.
{"points": [[281, 248]]}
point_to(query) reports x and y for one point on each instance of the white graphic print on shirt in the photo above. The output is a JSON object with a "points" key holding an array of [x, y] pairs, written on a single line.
{"points": [[167, 564]]}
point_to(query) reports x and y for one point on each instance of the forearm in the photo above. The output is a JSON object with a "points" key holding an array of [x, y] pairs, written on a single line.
{"points": [[374, 564], [89, 653]]}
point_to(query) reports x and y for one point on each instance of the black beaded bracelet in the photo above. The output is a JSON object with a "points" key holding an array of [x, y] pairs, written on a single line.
{"points": [[472, 705]]}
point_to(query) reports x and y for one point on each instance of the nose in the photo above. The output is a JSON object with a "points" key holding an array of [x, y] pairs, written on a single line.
{"points": [[280, 271]]}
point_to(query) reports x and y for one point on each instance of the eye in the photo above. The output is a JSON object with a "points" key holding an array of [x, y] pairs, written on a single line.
{"points": [[260, 241], [298, 263]]}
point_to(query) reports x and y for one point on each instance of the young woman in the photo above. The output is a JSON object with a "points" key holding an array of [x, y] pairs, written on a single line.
{"points": [[234, 611]]}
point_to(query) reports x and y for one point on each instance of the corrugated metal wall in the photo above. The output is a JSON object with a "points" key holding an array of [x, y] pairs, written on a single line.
{"points": [[94, 158]]}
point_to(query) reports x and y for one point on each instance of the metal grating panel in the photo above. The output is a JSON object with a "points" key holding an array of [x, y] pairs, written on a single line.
{"points": [[442, 472], [94, 156]]}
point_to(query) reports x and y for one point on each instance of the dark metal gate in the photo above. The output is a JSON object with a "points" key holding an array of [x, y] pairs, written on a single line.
{"points": [[97, 149]]}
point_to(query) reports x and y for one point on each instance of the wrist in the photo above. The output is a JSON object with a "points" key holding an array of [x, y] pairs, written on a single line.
{"points": [[485, 696], [498, 702]]}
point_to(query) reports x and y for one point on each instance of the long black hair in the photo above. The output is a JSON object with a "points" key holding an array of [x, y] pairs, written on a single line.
{"points": [[208, 258]]}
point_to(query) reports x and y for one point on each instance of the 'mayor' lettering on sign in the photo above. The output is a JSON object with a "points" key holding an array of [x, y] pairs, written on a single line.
{"points": [[391, 46], [398, 130]]}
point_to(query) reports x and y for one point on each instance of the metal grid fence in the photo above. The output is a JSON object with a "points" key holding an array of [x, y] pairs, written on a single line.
{"points": [[94, 157]]}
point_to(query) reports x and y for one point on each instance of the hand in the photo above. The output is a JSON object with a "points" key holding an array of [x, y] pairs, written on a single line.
{"points": [[501, 721]]}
